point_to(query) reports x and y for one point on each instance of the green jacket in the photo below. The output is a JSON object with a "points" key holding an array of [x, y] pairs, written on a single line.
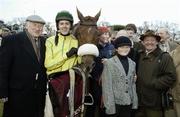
{"points": [[155, 75]]}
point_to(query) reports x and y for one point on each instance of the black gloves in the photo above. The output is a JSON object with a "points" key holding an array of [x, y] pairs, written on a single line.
{"points": [[72, 51]]}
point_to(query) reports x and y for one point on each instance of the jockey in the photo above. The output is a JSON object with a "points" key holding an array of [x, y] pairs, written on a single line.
{"points": [[61, 55], [61, 48]]}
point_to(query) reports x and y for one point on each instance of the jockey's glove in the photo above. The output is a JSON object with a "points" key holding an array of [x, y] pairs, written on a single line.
{"points": [[71, 52]]}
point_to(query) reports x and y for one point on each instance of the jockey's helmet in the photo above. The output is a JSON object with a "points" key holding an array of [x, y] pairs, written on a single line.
{"points": [[64, 15]]}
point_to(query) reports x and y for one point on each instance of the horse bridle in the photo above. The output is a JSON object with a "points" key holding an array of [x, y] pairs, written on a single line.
{"points": [[87, 24]]}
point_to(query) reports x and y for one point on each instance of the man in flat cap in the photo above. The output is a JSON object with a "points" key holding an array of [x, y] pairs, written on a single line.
{"points": [[22, 74]]}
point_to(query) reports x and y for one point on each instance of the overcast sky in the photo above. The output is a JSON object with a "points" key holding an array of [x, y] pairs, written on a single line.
{"points": [[113, 11]]}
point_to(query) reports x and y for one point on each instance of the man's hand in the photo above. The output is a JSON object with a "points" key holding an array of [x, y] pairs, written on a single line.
{"points": [[3, 100]]}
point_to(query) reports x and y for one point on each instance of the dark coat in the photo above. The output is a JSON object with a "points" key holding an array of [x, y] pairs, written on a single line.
{"points": [[19, 81], [154, 76]]}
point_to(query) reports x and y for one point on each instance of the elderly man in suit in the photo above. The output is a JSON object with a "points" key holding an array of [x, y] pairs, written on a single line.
{"points": [[22, 74]]}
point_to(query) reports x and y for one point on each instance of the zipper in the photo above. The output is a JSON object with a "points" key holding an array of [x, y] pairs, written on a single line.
{"points": [[63, 45]]}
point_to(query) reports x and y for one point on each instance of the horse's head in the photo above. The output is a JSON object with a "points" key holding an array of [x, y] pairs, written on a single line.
{"points": [[88, 52], [86, 30]]}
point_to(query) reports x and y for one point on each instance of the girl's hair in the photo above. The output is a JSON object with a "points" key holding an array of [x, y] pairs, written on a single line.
{"points": [[56, 38]]}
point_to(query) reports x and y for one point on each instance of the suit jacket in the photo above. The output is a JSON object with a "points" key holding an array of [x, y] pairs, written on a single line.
{"points": [[22, 76], [118, 88]]}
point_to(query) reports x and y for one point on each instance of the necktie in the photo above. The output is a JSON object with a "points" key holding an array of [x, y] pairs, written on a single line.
{"points": [[37, 48]]}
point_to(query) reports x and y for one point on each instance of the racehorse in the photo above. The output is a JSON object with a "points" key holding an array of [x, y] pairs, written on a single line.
{"points": [[85, 31]]}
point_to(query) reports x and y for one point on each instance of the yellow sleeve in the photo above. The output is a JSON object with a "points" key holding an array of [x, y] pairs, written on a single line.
{"points": [[53, 61]]}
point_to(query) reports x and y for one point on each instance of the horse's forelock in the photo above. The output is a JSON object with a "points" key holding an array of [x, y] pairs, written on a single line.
{"points": [[86, 30], [90, 19]]}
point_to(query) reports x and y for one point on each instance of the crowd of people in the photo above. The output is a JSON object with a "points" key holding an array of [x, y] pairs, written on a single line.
{"points": [[131, 76]]}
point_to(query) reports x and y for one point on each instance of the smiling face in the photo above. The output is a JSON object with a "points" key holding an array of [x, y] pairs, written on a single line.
{"points": [[35, 29], [104, 38], [150, 43], [64, 26]]}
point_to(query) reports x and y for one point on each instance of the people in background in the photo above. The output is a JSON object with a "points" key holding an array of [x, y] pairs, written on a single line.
{"points": [[106, 50], [176, 89], [166, 43]]}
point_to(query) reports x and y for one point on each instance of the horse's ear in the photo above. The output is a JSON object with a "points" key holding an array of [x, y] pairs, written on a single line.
{"points": [[80, 15], [98, 15]]}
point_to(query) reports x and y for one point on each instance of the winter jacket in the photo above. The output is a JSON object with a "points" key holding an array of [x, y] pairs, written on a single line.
{"points": [[155, 75], [56, 59]]}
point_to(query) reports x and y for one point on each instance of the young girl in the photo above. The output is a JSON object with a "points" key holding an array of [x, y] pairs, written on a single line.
{"points": [[118, 81]]}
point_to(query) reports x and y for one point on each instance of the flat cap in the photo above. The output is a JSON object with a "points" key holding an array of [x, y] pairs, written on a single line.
{"points": [[35, 18]]}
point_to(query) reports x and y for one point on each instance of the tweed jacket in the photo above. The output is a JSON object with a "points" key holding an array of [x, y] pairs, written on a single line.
{"points": [[176, 89], [117, 87]]}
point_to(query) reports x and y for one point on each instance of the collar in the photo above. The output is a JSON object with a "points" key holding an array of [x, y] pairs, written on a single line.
{"points": [[154, 52], [64, 35], [101, 45], [122, 57]]}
